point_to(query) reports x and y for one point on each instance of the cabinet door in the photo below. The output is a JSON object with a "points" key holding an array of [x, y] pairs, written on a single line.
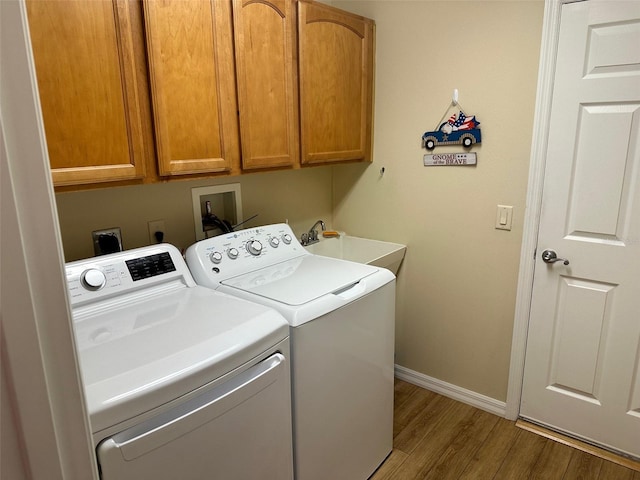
{"points": [[85, 64], [336, 84], [190, 50], [267, 82]]}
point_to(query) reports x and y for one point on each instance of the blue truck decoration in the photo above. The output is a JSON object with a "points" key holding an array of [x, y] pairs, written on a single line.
{"points": [[458, 130]]}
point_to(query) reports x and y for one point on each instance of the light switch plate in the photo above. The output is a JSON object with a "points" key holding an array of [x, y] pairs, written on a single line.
{"points": [[504, 217]]}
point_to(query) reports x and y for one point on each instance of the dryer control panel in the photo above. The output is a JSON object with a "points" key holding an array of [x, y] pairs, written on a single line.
{"points": [[98, 278], [231, 254]]}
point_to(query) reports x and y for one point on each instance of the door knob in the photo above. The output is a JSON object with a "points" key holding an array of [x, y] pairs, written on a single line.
{"points": [[550, 256]]}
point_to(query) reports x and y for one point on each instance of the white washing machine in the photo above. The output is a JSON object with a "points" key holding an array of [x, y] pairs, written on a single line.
{"points": [[181, 382], [342, 317]]}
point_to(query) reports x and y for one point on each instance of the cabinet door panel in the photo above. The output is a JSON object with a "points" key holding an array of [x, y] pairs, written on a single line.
{"points": [[190, 49], [88, 88], [336, 84], [267, 88]]}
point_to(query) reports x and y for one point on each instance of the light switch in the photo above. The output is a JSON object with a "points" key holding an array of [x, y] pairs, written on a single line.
{"points": [[504, 216]]}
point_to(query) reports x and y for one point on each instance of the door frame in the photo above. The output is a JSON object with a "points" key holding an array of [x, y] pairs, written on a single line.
{"points": [[544, 98], [51, 438]]}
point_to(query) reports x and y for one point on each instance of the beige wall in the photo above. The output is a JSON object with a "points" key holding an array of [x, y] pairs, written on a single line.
{"points": [[301, 196], [457, 286]]}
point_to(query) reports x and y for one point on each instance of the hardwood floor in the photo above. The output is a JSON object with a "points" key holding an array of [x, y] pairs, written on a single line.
{"points": [[439, 438]]}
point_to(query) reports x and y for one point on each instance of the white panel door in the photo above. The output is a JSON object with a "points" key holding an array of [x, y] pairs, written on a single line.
{"points": [[582, 367]]}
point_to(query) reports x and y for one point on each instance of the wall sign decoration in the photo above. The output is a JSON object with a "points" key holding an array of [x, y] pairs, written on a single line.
{"points": [[459, 129], [450, 159]]}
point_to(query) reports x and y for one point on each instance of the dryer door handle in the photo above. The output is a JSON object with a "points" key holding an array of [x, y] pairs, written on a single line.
{"points": [[166, 427]]}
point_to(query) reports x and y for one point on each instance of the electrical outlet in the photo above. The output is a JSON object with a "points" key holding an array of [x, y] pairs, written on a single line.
{"points": [[156, 226]]}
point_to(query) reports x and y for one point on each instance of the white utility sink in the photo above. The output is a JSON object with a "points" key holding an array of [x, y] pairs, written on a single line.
{"points": [[361, 250]]}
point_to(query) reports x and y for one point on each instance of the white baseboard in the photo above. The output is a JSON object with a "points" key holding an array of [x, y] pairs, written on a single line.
{"points": [[474, 399]]}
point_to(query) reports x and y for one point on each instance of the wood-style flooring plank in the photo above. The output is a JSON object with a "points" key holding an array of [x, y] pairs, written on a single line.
{"points": [[552, 462], [613, 471], [461, 450], [431, 447], [489, 457], [583, 466], [390, 465], [402, 391], [421, 424], [522, 456], [414, 407]]}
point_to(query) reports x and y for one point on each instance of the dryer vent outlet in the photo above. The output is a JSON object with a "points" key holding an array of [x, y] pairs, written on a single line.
{"points": [[108, 240]]}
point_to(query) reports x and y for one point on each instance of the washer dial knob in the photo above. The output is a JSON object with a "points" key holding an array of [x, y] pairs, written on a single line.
{"points": [[215, 257], [286, 238], [254, 247], [274, 242], [93, 279], [233, 253]]}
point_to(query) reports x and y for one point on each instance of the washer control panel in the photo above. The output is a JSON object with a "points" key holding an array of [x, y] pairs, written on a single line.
{"points": [[131, 270], [215, 259]]}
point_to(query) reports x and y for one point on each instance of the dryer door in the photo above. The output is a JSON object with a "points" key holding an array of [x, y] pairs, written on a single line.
{"points": [[240, 429]]}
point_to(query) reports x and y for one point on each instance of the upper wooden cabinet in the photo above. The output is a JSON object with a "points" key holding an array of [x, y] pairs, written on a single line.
{"points": [[191, 67], [85, 60], [265, 47], [225, 85], [336, 69]]}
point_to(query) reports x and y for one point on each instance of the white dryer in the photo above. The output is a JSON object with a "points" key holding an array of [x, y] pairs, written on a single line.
{"points": [[180, 381], [342, 317]]}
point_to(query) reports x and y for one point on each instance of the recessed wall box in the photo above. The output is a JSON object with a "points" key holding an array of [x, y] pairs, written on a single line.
{"points": [[225, 202], [108, 240]]}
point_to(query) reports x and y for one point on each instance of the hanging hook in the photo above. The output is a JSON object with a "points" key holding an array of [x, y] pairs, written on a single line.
{"points": [[454, 97]]}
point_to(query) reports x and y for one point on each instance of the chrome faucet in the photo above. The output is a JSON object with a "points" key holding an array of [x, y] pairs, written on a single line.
{"points": [[312, 235]]}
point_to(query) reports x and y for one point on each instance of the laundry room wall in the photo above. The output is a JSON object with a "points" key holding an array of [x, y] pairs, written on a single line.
{"points": [[301, 197], [457, 286]]}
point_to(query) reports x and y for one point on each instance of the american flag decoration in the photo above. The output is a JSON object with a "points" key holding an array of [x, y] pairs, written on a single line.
{"points": [[463, 122]]}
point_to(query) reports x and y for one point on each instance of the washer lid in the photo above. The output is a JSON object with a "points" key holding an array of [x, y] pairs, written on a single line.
{"points": [[301, 279], [138, 356]]}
